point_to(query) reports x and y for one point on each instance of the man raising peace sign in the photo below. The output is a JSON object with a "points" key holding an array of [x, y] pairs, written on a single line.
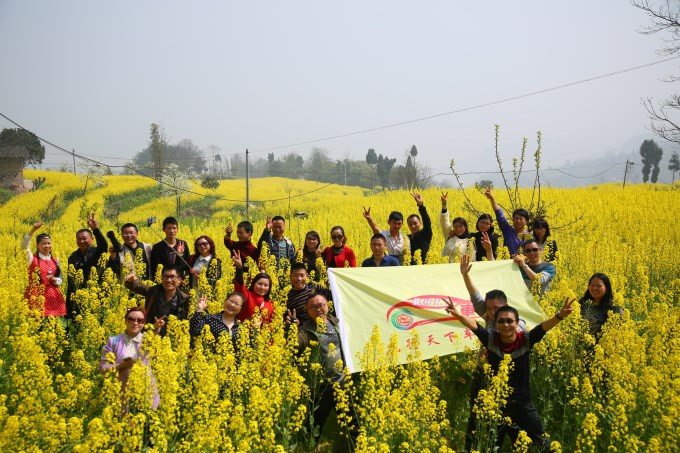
{"points": [[507, 339]]}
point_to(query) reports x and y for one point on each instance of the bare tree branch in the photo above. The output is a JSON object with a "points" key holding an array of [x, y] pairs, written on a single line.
{"points": [[665, 18]]}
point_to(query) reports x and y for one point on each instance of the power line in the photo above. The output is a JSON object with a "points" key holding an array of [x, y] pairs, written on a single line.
{"points": [[474, 107], [97, 163]]}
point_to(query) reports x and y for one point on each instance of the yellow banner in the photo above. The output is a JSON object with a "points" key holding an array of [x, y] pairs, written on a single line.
{"points": [[406, 298]]}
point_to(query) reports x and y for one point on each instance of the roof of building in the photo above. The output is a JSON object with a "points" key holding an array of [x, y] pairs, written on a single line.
{"points": [[14, 152]]}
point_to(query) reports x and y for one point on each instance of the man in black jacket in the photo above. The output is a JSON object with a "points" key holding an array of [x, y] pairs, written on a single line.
{"points": [[170, 252], [162, 300], [85, 258], [421, 230]]}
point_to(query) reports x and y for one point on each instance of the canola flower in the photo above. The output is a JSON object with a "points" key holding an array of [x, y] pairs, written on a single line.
{"points": [[616, 392]]}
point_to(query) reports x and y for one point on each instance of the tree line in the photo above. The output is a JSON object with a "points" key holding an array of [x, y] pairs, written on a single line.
{"points": [[375, 171]]}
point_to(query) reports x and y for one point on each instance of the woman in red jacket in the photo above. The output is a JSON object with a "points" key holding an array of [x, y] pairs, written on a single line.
{"points": [[257, 294], [339, 254], [44, 275]]}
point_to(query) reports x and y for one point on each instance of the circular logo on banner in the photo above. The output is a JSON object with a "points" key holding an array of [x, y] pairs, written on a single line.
{"points": [[401, 318]]}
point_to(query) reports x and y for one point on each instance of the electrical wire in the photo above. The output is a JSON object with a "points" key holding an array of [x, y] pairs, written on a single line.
{"points": [[473, 107], [159, 181]]}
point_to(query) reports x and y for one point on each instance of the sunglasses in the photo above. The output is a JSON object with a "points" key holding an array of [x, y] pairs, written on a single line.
{"points": [[202, 244], [337, 236], [136, 320], [531, 250], [507, 321]]}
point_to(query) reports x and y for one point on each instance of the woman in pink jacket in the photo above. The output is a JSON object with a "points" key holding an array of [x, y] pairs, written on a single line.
{"points": [[126, 349]]}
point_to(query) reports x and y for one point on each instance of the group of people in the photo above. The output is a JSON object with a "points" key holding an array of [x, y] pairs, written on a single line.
{"points": [[136, 262]]}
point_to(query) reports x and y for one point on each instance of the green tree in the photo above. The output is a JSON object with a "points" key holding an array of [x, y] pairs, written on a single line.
{"points": [[674, 165], [156, 148], [372, 161], [22, 137], [384, 168], [185, 154], [410, 173], [293, 165], [237, 165], [210, 183], [319, 166], [651, 156]]}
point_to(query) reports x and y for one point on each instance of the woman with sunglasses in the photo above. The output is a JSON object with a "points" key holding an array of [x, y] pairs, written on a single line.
{"points": [[204, 258], [310, 252], [541, 232], [126, 350], [339, 255], [533, 268]]}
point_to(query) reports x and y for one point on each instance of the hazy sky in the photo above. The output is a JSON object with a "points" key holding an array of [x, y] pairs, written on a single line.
{"points": [[94, 75]]}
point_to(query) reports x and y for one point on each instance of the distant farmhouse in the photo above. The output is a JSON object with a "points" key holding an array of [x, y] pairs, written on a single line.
{"points": [[12, 167]]}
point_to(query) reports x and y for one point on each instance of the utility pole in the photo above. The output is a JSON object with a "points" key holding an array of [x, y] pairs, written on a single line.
{"points": [[73, 153], [625, 173], [247, 187], [345, 165]]}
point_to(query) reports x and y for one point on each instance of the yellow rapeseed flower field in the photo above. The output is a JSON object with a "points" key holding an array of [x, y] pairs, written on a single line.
{"points": [[621, 393]]}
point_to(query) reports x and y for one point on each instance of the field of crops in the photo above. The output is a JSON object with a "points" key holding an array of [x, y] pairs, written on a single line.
{"points": [[621, 394]]}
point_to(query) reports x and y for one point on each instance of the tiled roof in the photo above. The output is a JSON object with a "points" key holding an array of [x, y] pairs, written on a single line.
{"points": [[14, 152]]}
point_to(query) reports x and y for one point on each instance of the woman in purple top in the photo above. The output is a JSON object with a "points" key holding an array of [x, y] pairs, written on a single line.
{"points": [[126, 352]]}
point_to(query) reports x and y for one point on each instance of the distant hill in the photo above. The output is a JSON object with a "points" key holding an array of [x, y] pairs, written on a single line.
{"points": [[608, 167]]}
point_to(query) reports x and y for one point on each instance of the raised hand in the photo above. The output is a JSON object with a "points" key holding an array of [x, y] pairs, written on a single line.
{"points": [[180, 247], [268, 223], [229, 230], [445, 198], [236, 258], [36, 226], [367, 213], [488, 194], [291, 317], [416, 196], [567, 308], [465, 264], [91, 222], [486, 241], [451, 308], [158, 323], [202, 304]]}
